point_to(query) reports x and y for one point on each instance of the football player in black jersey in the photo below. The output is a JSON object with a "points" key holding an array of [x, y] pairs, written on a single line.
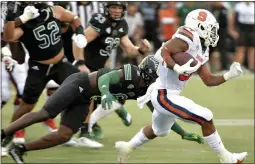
{"points": [[106, 32], [39, 29], [73, 100]]}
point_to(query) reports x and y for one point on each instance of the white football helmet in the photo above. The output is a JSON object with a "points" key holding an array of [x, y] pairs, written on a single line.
{"points": [[205, 24]]}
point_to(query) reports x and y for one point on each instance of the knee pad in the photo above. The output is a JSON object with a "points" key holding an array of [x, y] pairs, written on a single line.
{"points": [[208, 114], [6, 95], [161, 133]]}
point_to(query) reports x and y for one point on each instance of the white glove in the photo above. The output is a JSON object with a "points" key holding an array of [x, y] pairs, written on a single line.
{"points": [[80, 40], [7, 59], [186, 68], [234, 71], [30, 12]]}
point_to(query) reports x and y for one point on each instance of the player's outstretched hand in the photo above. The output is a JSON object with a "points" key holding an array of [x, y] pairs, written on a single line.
{"points": [[145, 46], [30, 12], [193, 137], [7, 59], [186, 68], [106, 100], [234, 71]]}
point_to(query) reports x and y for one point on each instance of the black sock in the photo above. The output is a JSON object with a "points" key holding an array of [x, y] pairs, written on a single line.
{"points": [[2, 135], [84, 128], [96, 125]]}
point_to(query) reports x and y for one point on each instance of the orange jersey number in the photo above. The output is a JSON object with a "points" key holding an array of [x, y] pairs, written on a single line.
{"points": [[184, 77]]}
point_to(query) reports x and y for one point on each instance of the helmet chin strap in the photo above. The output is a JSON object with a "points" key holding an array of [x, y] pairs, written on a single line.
{"points": [[207, 43]]}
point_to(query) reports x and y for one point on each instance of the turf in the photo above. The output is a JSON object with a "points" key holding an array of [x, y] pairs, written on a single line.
{"points": [[233, 100]]}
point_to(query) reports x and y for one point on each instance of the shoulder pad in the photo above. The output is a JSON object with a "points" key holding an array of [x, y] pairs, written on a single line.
{"points": [[97, 22], [184, 34]]}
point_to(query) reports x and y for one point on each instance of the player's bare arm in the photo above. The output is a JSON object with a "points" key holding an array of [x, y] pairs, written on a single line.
{"points": [[172, 47], [213, 80], [11, 33], [90, 35], [132, 50], [208, 78], [79, 40]]}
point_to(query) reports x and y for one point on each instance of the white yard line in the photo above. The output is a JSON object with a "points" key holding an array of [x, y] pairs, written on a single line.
{"points": [[234, 122], [243, 77]]}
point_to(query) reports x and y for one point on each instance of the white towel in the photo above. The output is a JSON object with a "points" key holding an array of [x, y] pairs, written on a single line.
{"points": [[145, 98]]}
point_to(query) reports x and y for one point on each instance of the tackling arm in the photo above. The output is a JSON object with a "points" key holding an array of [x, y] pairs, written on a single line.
{"points": [[105, 80]]}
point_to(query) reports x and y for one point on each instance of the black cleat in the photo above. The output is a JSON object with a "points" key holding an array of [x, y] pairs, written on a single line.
{"points": [[17, 152], [6, 141]]}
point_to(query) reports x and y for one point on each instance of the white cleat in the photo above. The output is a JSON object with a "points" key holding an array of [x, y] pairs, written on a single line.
{"points": [[19, 140], [123, 148], [4, 152], [71, 143], [233, 157], [86, 142]]}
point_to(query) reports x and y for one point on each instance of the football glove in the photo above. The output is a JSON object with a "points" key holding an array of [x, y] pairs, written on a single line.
{"points": [[30, 12], [80, 40], [186, 68], [235, 71], [106, 100], [7, 59], [193, 137]]}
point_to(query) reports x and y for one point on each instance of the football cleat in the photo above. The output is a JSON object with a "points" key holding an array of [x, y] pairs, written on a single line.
{"points": [[71, 143], [123, 148], [86, 142], [233, 157], [4, 152], [17, 152]]}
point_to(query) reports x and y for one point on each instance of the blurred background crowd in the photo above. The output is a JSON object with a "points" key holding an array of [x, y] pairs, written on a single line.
{"points": [[158, 21]]}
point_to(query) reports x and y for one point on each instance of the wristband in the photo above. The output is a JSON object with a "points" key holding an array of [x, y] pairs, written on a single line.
{"points": [[78, 63], [79, 30]]}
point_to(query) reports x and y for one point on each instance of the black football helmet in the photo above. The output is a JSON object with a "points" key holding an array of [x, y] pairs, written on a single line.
{"points": [[148, 69], [119, 3]]}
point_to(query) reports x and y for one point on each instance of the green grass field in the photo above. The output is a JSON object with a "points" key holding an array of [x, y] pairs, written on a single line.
{"points": [[231, 101]]}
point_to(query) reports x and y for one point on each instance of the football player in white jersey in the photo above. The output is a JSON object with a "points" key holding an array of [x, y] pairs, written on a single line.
{"points": [[199, 32]]}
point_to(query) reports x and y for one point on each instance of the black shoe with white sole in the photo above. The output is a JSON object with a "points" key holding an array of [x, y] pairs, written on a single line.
{"points": [[17, 152]]}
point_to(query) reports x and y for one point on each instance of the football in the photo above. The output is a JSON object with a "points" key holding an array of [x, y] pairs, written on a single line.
{"points": [[182, 58]]}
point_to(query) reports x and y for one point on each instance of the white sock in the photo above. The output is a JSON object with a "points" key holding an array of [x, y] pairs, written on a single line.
{"points": [[139, 139], [214, 141]]}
